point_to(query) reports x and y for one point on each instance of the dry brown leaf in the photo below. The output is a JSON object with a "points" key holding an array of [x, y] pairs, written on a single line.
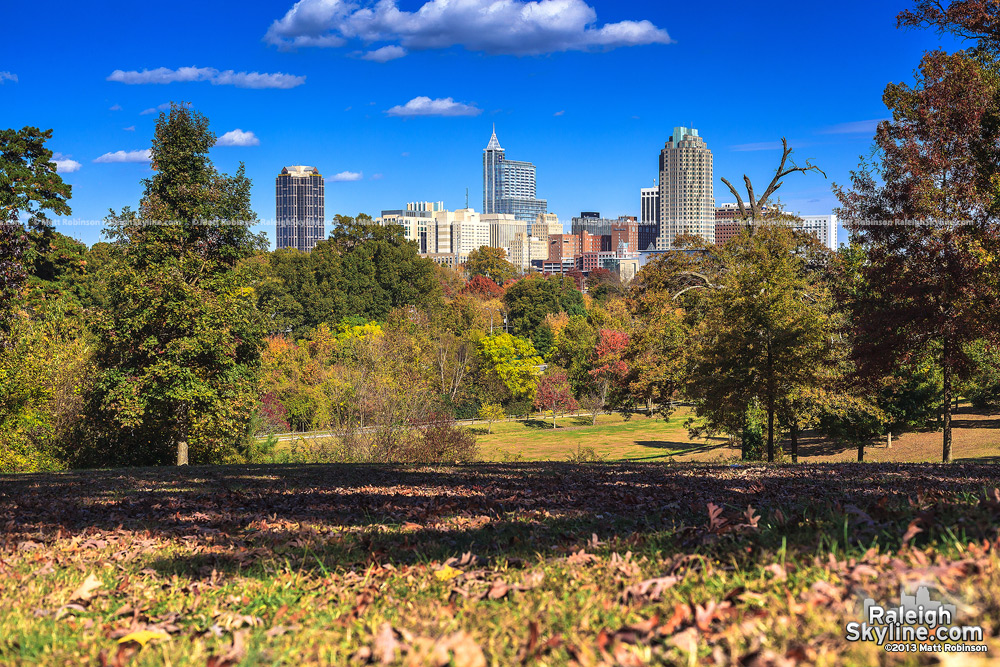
{"points": [[385, 646], [87, 589]]}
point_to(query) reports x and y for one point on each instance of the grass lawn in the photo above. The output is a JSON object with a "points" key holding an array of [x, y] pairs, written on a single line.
{"points": [[486, 564], [641, 438], [976, 436]]}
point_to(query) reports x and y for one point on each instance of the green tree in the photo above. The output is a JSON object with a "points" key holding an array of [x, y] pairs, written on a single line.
{"points": [[767, 331], [179, 340], [491, 412], [572, 350], [363, 269], [29, 186], [528, 301], [491, 263], [514, 362]]}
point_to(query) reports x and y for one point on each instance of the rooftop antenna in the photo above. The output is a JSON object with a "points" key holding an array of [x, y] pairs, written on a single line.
{"points": [[466, 197]]}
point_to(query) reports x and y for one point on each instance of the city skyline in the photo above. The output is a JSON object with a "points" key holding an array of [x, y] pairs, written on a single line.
{"points": [[590, 114]]}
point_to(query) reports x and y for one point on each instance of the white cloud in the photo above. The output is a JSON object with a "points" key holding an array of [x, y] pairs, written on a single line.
{"points": [[559, 113], [130, 128], [116, 107], [377, 177], [385, 54], [855, 127], [346, 176], [761, 146], [8, 76], [64, 165], [162, 107], [164, 75], [425, 106], [514, 27], [124, 156], [238, 137]]}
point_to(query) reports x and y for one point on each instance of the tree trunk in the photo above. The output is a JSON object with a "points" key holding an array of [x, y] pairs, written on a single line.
{"points": [[770, 404], [888, 439], [946, 454], [770, 435], [182, 451], [794, 433], [861, 451]]}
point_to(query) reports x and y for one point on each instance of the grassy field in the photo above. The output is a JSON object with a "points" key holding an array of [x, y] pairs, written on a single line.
{"points": [[486, 564], [640, 438], [976, 436]]}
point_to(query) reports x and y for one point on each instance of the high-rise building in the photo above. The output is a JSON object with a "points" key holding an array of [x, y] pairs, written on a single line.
{"points": [[509, 186], [687, 203], [299, 204], [503, 228], [649, 206], [468, 231], [545, 225], [823, 227], [728, 224], [419, 224]]}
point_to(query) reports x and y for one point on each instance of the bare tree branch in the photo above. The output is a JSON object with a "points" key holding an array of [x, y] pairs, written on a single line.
{"points": [[739, 199]]}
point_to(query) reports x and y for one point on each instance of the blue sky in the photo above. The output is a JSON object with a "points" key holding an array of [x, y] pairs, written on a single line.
{"points": [[588, 90]]}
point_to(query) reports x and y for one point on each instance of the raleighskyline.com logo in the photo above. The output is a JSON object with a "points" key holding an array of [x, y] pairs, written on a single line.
{"points": [[918, 624]]}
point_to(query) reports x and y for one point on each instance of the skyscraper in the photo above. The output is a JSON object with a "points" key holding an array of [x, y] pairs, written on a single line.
{"points": [[509, 185], [649, 206], [300, 208], [687, 202]]}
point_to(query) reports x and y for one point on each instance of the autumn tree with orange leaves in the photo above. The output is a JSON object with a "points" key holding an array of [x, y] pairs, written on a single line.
{"points": [[924, 210]]}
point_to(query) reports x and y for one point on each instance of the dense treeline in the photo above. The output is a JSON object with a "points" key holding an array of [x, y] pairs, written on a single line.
{"points": [[182, 338]]}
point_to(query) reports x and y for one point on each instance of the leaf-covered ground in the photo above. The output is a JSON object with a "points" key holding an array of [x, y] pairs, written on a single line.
{"points": [[542, 564]]}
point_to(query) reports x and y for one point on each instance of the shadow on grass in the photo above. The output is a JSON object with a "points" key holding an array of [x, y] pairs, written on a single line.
{"points": [[536, 423], [325, 517]]}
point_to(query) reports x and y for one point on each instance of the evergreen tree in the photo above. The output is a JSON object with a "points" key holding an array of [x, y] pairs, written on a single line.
{"points": [[180, 336]]}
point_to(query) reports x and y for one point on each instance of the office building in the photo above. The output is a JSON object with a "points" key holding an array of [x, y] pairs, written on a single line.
{"points": [[728, 224], [525, 251], [509, 186], [299, 208], [545, 225], [503, 228], [823, 227], [420, 226], [649, 206], [638, 236], [687, 204], [468, 231]]}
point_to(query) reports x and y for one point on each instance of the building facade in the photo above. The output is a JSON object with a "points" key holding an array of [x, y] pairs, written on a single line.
{"points": [[637, 235], [509, 186], [299, 208], [503, 228], [687, 202], [823, 227], [649, 206], [468, 231]]}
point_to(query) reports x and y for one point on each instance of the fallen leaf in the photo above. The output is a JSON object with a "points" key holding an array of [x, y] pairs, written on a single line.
{"points": [[447, 573], [87, 589], [143, 637]]}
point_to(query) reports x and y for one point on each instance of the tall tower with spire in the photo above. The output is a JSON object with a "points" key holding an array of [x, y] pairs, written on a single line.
{"points": [[509, 185], [493, 157]]}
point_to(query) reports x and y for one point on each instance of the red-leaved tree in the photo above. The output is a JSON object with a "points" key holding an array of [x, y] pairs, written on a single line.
{"points": [[554, 394], [483, 287], [924, 212], [609, 368]]}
